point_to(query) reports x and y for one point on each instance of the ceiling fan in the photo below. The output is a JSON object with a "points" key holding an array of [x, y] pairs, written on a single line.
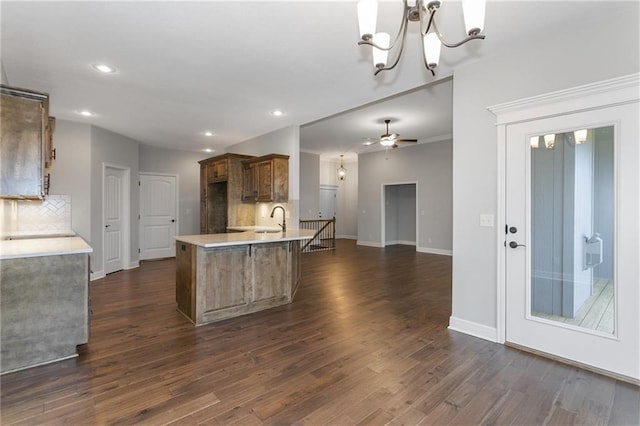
{"points": [[389, 140]]}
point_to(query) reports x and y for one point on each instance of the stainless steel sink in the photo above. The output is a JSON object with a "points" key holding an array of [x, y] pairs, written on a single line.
{"points": [[268, 231]]}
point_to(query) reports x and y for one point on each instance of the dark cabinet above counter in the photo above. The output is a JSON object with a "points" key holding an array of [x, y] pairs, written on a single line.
{"points": [[266, 179], [231, 184], [27, 146], [221, 193]]}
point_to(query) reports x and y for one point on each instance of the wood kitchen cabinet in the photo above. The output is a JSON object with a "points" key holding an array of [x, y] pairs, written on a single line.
{"points": [[225, 281], [27, 143], [221, 193], [217, 171], [266, 179]]}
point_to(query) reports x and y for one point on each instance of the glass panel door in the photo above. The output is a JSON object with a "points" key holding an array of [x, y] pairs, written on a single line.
{"points": [[572, 228], [572, 209]]}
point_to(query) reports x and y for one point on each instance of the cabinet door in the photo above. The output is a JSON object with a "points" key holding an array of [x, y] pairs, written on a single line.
{"points": [[221, 169], [270, 270], [203, 199], [21, 165], [264, 181], [217, 171], [249, 192], [225, 272], [49, 152]]}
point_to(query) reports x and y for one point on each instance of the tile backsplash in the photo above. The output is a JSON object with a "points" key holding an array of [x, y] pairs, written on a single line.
{"points": [[52, 215]]}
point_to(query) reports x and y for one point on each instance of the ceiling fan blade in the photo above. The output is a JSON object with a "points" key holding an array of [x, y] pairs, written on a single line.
{"points": [[406, 140]]}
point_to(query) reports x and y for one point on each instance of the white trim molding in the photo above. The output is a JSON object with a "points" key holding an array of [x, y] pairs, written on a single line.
{"points": [[369, 244], [401, 242], [473, 328], [434, 251], [97, 275]]}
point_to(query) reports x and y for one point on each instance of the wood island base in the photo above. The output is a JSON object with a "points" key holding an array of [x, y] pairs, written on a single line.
{"points": [[216, 283]]}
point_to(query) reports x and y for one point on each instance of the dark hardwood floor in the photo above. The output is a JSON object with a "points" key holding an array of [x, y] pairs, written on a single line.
{"points": [[364, 342]]}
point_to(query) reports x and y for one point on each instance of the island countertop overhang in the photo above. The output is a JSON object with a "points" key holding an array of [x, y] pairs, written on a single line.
{"points": [[244, 238]]}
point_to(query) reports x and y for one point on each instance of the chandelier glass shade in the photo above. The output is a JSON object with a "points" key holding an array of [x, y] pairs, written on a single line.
{"points": [[342, 172], [423, 12]]}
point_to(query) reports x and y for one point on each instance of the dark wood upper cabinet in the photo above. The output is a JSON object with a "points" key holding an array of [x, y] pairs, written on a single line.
{"points": [[221, 179], [266, 179], [26, 149]]}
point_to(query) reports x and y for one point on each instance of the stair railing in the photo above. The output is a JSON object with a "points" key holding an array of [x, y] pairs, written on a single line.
{"points": [[325, 236]]}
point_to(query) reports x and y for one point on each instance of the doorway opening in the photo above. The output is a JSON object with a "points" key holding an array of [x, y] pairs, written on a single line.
{"points": [[116, 229], [399, 214]]}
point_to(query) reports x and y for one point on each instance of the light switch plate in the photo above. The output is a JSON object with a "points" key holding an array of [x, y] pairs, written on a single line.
{"points": [[486, 220]]}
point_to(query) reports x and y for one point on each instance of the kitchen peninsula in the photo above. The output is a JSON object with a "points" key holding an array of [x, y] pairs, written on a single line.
{"points": [[221, 276]]}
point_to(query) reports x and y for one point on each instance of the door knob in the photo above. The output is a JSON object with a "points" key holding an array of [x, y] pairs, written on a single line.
{"points": [[106, 226], [513, 229], [513, 245], [173, 220]]}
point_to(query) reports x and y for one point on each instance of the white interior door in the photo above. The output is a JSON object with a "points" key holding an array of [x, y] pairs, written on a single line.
{"points": [[157, 216], [571, 249], [327, 202], [113, 219]]}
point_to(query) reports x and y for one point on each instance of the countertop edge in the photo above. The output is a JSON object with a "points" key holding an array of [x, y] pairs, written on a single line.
{"points": [[244, 238], [39, 247]]}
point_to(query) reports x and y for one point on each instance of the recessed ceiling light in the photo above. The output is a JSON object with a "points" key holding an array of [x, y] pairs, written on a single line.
{"points": [[209, 150], [367, 143], [208, 133], [277, 113], [103, 68], [86, 113]]}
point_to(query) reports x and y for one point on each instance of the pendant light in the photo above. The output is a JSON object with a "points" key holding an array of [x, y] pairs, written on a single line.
{"points": [[342, 172]]}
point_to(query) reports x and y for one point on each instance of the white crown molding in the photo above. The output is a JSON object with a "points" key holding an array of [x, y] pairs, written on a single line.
{"points": [[581, 98]]}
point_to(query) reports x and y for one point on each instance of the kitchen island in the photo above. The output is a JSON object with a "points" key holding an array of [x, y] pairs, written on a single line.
{"points": [[44, 300], [220, 276]]}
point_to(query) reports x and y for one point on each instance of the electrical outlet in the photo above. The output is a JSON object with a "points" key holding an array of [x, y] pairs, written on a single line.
{"points": [[486, 220]]}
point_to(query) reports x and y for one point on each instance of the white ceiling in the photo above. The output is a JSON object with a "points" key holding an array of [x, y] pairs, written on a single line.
{"points": [[188, 67]]}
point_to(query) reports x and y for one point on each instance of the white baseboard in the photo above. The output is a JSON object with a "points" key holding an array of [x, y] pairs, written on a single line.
{"points": [[402, 242], [97, 275], [434, 251], [133, 265], [100, 274], [370, 244], [473, 328], [347, 237]]}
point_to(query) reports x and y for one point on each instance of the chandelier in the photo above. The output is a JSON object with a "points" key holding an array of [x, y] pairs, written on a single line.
{"points": [[342, 172], [424, 12]]}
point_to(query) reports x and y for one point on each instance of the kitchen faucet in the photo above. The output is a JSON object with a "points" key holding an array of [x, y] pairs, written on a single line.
{"points": [[284, 220]]}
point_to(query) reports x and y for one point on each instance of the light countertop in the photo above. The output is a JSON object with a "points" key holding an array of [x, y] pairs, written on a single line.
{"points": [[35, 247], [248, 237]]}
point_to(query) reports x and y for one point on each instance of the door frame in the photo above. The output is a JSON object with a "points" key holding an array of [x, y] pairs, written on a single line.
{"points": [[177, 204], [126, 216], [383, 214], [594, 96]]}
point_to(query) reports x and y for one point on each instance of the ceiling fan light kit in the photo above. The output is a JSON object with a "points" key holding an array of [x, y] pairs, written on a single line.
{"points": [[424, 12], [390, 140]]}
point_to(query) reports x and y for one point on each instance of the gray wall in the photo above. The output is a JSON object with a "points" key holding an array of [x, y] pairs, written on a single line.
{"points": [[309, 185], [514, 75], [112, 149], [185, 165], [347, 203], [71, 173], [3, 75], [429, 165]]}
